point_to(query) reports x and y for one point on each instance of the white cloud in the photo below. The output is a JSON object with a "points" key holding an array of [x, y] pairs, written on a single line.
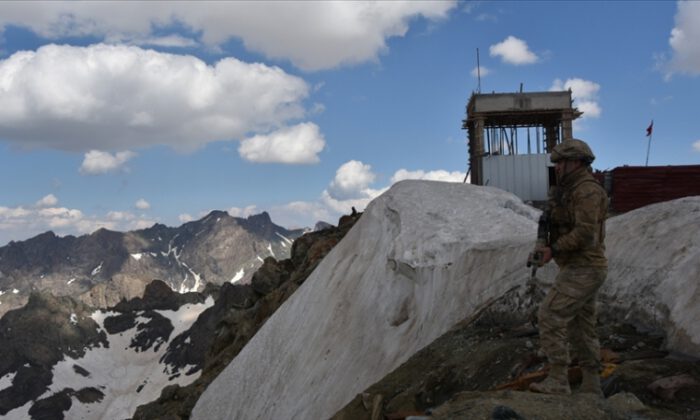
{"points": [[351, 180], [20, 223], [696, 146], [97, 162], [119, 216], [107, 97], [185, 217], [684, 39], [584, 93], [312, 35], [170, 41], [349, 188], [293, 145], [438, 175], [513, 51], [142, 204], [299, 214], [483, 71], [49, 200], [243, 212]]}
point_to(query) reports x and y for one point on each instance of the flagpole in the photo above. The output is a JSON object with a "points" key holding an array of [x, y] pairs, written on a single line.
{"points": [[650, 132], [648, 147]]}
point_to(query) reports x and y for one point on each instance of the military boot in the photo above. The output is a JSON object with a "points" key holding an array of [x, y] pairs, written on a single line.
{"points": [[590, 383], [557, 382]]}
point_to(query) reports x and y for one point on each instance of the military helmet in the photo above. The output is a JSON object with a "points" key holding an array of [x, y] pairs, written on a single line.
{"points": [[572, 149]]}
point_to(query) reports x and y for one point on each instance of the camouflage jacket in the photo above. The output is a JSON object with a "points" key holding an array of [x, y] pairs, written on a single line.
{"points": [[578, 209]]}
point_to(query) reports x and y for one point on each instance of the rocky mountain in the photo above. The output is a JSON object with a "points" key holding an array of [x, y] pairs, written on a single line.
{"points": [[420, 307], [105, 267], [61, 359], [59, 355]]}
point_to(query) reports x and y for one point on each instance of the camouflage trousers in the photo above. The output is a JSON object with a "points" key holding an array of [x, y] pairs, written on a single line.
{"points": [[568, 315]]}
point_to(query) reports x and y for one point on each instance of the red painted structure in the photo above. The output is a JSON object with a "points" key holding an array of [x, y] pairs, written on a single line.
{"points": [[631, 187]]}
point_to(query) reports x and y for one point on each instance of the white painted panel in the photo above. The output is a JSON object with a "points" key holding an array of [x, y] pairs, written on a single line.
{"points": [[523, 175]]}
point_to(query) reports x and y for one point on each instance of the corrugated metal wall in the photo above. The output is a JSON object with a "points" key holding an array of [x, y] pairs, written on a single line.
{"points": [[638, 186], [524, 175]]}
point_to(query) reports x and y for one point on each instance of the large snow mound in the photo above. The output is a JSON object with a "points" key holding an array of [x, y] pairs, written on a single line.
{"points": [[424, 256], [654, 270]]}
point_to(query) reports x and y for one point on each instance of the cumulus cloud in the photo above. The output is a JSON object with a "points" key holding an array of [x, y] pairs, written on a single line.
{"points": [[696, 146], [170, 41], [243, 212], [97, 162], [351, 180], [438, 175], [584, 93], [49, 200], [299, 144], [513, 51], [483, 71], [351, 187], [142, 204], [185, 217], [684, 39], [301, 214], [20, 223], [312, 35], [107, 97]]}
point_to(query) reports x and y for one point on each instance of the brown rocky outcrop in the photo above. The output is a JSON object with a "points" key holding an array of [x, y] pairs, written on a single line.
{"points": [[482, 367]]}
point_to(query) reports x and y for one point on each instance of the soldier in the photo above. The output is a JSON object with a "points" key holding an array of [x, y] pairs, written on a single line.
{"points": [[578, 206]]}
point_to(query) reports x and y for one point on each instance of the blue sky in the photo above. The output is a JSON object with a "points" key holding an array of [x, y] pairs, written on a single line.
{"points": [[120, 115]]}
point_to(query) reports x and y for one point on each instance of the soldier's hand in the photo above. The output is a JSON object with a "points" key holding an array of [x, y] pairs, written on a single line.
{"points": [[546, 254]]}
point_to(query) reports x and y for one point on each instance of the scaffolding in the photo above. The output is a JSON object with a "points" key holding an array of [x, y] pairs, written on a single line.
{"points": [[525, 126]]}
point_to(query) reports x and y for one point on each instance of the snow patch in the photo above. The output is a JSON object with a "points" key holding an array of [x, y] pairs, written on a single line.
{"points": [[74, 319], [6, 381], [238, 276], [259, 258], [137, 257], [71, 280], [185, 316], [269, 248], [20, 413], [197, 280], [284, 238], [96, 270], [127, 378]]}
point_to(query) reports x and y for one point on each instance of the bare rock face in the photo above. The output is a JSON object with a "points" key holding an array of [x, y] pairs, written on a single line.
{"points": [[105, 267]]}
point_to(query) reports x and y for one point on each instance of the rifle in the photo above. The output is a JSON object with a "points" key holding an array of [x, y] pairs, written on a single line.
{"points": [[536, 258]]}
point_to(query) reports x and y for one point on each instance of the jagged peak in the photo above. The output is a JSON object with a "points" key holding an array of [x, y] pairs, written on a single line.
{"points": [[216, 213], [263, 217]]}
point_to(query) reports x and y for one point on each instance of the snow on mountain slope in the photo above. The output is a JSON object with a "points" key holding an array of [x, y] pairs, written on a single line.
{"points": [[109, 382], [423, 256]]}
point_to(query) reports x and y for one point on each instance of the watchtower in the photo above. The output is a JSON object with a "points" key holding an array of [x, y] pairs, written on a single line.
{"points": [[510, 136]]}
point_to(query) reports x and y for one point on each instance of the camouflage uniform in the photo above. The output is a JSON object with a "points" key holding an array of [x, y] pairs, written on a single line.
{"points": [[578, 209]]}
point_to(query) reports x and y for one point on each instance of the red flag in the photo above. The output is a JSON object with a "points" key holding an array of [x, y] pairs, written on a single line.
{"points": [[650, 128]]}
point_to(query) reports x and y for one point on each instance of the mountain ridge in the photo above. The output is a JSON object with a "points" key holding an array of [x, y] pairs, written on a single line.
{"points": [[106, 266]]}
